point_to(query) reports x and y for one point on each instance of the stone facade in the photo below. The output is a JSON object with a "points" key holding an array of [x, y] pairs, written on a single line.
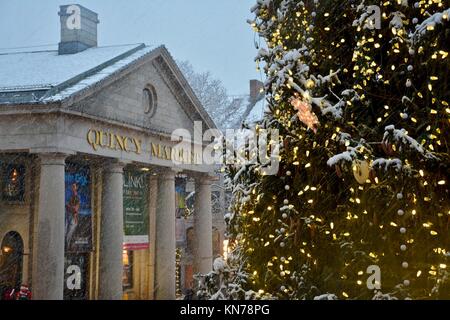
{"points": [[105, 127], [122, 101]]}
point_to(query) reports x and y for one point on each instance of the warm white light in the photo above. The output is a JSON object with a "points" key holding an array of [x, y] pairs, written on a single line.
{"points": [[225, 249]]}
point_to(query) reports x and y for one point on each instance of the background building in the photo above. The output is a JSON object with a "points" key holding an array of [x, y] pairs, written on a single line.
{"points": [[248, 108], [88, 177]]}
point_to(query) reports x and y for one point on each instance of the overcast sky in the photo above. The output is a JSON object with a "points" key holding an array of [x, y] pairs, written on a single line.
{"points": [[212, 34]]}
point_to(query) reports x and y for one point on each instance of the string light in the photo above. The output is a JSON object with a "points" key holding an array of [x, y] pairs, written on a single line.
{"points": [[401, 197]]}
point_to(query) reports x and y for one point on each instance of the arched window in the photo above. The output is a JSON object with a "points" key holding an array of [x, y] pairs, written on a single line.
{"points": [[11, 261]]}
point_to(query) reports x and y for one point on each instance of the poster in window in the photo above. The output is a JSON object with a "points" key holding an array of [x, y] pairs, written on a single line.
{"points": [[78, 226], [180, 197], [135, 210]]}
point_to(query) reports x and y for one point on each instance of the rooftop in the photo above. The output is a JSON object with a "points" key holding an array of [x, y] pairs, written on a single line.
{"points": [[45, 76], [244, 109]]}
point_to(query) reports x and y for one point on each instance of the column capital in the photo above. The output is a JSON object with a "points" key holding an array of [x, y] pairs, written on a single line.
{"points": [[205, 178], [166, 173], [113, 166], [53, 158]]}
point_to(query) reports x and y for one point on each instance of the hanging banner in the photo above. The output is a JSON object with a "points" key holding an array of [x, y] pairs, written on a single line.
{"points": [[180, 197], [135, 211], [78, 220]]}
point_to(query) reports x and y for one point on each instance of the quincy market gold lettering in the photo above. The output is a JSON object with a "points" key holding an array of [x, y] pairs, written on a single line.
{"points": [[179, 155], [99, 139]]}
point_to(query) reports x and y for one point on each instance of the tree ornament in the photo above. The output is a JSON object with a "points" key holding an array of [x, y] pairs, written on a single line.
{"points": [[361, 171], [402, 230], [400, 212], [403, 247], [405, 265], [310, 84], [305, 113]]}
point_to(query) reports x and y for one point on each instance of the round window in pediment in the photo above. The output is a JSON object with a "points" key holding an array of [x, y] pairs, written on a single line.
{"points": [[149, 101]]}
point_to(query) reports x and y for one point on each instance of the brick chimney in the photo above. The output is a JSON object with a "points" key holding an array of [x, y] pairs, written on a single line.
{"points": [[78, 29], [255, 89]]}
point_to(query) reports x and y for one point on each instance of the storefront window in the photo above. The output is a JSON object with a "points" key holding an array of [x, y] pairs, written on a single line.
{"points": [[127, 277], [190, 240], [215, 202], [216, 242], [189, 276]]}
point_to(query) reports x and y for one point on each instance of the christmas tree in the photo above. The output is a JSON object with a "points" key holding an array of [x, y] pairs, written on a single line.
{"points": [[359, 93]]}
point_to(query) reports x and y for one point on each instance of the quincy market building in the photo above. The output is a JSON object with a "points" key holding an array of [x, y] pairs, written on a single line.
{"points": [[86, 169]]}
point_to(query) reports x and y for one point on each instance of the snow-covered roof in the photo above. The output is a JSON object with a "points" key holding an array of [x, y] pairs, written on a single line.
{"points": [[42, 71], [236, 111], [100, 75], [257, 112], [244, 109]]}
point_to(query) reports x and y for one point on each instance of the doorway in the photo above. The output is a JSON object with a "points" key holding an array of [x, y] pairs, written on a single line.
{"points": [[11, 262]]}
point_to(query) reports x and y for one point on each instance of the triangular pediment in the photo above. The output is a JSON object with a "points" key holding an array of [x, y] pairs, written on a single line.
{"points": [[120, 96]]}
